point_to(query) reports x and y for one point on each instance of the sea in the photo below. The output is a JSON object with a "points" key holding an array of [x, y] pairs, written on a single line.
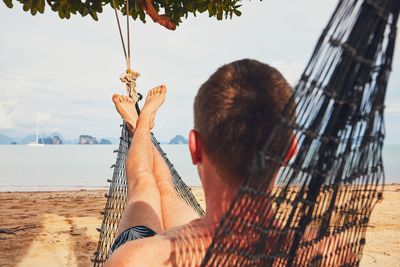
{"points": [[75, 167]]}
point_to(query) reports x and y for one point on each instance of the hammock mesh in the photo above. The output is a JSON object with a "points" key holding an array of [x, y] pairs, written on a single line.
{"points": [[318, 211]]}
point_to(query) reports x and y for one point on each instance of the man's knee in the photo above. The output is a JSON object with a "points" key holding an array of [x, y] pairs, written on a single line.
{"points": [[143, 182], [165, 186]]}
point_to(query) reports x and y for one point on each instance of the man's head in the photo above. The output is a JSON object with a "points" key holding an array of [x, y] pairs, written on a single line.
{"points": [[235, 111]]}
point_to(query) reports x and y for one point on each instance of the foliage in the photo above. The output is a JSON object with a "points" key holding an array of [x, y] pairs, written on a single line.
{"points": [[174, 10]]}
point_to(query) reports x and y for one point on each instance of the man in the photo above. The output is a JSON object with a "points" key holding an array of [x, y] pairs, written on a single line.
{"points": [[234, 112]]}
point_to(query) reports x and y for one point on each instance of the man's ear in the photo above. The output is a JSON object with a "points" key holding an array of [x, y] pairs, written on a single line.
{"points": [[195, 146]]}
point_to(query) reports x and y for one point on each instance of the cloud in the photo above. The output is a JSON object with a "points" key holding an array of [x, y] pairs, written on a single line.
{"points": [[8, 113], [17, 118], [64, 72], [42, 118]]}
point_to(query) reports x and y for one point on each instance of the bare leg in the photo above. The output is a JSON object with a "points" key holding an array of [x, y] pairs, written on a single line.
{"points": [[143, 203], [175, 211]]}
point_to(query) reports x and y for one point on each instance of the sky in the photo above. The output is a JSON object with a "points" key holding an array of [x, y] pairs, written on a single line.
{"points": [[60, 74]]}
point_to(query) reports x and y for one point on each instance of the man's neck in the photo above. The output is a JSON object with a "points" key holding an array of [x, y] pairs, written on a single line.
{"points": [[218, 197]]}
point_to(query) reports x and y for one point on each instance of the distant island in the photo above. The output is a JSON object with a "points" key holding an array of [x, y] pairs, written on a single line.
{"points": [[105, 142], [90, 140], [56, 138], [87, 140], [178, 140]]}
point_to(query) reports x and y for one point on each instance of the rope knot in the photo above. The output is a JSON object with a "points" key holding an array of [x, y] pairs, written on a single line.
{"points": [[129, 79]]}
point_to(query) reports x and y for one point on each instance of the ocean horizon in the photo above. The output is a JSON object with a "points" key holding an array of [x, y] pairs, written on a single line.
{"points": [[87, 167]]}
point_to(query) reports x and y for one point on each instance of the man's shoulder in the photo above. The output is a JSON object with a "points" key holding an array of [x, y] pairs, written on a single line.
{"points": [[151, 251]]}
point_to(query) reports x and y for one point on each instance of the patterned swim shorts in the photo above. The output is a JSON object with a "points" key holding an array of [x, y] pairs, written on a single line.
{"points": [[133, 233]]}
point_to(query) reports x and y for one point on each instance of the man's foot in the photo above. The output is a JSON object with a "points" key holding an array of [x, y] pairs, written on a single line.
{"points": [[126, 108], [155, 98]]}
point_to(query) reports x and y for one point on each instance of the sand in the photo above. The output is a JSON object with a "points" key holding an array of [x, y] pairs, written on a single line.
{"points": [[59, 228]]}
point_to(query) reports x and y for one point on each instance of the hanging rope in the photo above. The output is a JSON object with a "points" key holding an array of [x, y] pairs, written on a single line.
{"points": [[128, 78], [120, 34]]}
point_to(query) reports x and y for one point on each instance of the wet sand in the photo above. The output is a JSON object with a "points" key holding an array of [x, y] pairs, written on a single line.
{"points": [[59, 228]]}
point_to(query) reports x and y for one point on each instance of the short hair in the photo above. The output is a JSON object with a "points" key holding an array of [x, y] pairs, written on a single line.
{"points": [[235, 111]]}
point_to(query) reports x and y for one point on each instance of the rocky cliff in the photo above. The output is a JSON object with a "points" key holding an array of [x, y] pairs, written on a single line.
{"points": [[178, 140], [87, 140], [104, 141], [51, 140]]}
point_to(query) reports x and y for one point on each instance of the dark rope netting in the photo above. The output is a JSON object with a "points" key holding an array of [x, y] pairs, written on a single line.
{"points": [[116, 197], [318, 211]]}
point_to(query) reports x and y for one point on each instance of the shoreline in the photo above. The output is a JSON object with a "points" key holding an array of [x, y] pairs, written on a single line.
{"points": [[73, 189], [58, 228], [104, 188]]}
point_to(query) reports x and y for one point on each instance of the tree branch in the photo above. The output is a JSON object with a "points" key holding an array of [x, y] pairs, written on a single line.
{"points": [[160, 19]]}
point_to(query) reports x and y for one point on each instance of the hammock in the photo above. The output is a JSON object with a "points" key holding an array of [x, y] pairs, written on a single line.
{"points": [[318, 212]]}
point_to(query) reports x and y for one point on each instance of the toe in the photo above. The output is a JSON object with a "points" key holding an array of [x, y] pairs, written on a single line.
{"points": [[115, 97]]}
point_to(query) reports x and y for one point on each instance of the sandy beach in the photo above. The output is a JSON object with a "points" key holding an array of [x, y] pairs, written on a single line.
{"points": [[59, 228]]}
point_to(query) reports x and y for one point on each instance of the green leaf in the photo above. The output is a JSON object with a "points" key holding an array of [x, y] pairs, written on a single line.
{"points": [[93, 14], [55, 6], [33, 11], [41, 6], [26, 6], [203, 7], [61, 13], [137, 6], [237, 12], [84, 11], [8, 3], [142, 16], [190, 7], [210, 7]]}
